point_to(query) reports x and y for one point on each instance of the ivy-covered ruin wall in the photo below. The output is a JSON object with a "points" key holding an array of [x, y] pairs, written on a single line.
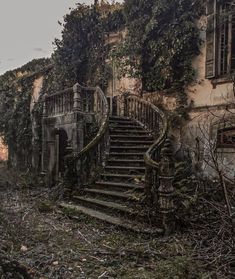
{"points": [[18, 109], [161, 39]]}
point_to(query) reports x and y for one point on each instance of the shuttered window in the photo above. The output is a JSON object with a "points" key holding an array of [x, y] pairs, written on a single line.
{"points": [[233, 41], [211, 39], [220, 43], [226, 138]]}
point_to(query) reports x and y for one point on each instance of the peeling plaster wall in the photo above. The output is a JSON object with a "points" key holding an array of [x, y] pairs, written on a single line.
{"points": [[3, 151], [212, 109], [207, 99], [116, 84], [200, 135], [202, 92], [161, 100], [37, 87]]}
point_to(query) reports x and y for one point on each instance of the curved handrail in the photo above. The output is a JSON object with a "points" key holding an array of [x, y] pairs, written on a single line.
{"points": [[156, 145], [102, 130], [156, 122], [161, 139], [94, 153]]}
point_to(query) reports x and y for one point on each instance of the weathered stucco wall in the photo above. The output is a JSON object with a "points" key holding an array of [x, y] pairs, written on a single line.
{"points": [[37, 87], [212, 104], [205, 92], [200, 136], [37, 90], [160, 99], [3, 151], [116, 84]]}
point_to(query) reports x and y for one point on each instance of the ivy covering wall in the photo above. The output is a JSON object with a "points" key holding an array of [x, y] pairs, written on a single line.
{"points": [[81, 53], [15, 122], [78, 57], [161, 40]]}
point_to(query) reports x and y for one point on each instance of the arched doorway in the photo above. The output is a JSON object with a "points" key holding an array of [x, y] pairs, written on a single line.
{"points": [[61, 149]]}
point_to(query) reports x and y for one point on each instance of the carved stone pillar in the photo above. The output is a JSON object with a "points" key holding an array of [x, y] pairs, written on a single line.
{"points": [[80, 122], [44, 106], [125, 104], [44, 116], [148, 184], [166, 189], [77, 99]]}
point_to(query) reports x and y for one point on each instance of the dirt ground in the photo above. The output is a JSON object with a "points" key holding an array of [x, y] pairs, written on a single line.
{"points": [[45, 243]]}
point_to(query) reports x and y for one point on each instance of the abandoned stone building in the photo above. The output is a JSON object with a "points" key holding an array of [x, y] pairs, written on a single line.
{"points": [[212, 95], [116, 142], [132, 130]]}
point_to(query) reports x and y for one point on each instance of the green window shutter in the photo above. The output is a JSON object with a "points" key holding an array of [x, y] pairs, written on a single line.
{"points": [[211, 39]]}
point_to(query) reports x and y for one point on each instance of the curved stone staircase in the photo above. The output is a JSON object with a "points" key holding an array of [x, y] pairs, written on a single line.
{"points": [[116, 194]]}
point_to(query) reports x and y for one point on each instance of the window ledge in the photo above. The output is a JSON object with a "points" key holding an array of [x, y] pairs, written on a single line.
{"points": [[221, 80], [224, 146], [225, 150]]}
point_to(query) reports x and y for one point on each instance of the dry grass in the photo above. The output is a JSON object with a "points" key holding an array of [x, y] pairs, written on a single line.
{"points": [[50, 245]]}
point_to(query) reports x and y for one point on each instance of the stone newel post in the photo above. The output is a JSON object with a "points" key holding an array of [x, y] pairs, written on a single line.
{"points": [[166, 189], [79, 115], [77, 99], [45, 106], [44, 144]]}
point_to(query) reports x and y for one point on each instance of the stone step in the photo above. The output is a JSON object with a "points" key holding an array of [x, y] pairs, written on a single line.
{"points": [[113, 194], [113, 208], [119, 185], [131, 142], [121, 176], [132, 155], [124, 127], [125, 169], [122, 122], [129, 149], [132, 137], [125, 162], [75, 210], [132, 132], [106, 204], [119, 118]]}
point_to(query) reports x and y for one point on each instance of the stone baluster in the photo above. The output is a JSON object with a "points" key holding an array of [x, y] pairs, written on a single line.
{"points": [[77, 98], [45, 112], [125, 111], [148, 184], [166, 189], [44, 144], [78, 110]]}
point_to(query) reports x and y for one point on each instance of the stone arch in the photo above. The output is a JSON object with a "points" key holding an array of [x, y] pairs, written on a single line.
{"points": [[62, 139]]}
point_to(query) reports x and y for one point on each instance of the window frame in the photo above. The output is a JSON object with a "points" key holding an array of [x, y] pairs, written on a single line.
{"points": [[222, 134], [213, 66], [227, 33]]}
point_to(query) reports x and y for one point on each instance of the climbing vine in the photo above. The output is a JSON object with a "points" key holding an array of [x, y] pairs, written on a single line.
{"points": [[78, 57], [15, 123], [81, 53], [161, 41]]}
